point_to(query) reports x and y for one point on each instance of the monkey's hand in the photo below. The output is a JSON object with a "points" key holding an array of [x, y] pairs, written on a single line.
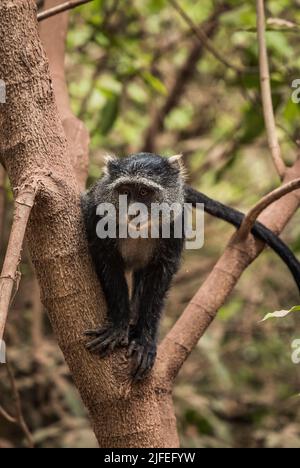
{"points": [[143, 353], [107, 338]]}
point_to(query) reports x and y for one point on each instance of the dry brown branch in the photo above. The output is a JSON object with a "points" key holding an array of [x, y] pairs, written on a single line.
{"points": [[60, 9], [266, 201], [266, 93], [7, 416], [204, 39], [23, 205], [19, 417]]}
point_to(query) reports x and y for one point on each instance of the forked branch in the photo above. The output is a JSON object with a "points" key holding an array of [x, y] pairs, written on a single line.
{"points": [[266, 201], [204, 306]]}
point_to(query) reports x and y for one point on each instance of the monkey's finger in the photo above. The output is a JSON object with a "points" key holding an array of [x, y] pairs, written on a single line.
{"points": [[143, 368], [102, 349], [138, 361], [95, 332], [97, 341]]}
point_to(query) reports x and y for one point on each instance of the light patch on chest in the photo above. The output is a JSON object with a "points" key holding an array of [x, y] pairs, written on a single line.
{"points": [[136, 253]]}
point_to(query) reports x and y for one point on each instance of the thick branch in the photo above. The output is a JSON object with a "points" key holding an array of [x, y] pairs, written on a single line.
{"points": [[32, 140], [23, 205], [60, 9], [204, 306], [2, 200], [266, 92], [53, 35], [266, 201]]}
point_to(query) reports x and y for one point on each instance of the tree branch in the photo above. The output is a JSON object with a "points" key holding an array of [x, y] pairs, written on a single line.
{"points": [[266, 92], [204, 306], [60, 9], [23, 205], [53, 35], [32, 140], [183, 76], [204, 39], [2, 200], [7, 416], [266, 201], [19, 418]]}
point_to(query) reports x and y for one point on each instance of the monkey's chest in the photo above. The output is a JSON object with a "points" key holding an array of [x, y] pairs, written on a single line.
{"points": [[136, 253]]}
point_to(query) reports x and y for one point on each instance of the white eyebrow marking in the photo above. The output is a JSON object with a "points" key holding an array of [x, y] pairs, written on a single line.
{"points": [[137, 179]]}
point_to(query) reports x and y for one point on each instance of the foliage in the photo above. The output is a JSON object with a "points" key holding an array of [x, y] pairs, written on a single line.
{"points": [[123, 59]]}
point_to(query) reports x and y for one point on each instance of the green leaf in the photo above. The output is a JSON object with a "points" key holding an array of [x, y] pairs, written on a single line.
{"points": [[156, 84], [109, 114], [280, 313]]}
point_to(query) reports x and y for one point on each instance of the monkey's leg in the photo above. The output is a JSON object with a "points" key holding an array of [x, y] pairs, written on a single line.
{"points": [[115, 332], [150, 287]]}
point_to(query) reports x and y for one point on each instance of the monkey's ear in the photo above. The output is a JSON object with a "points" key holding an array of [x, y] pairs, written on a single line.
{"points": [[108, 160], [177, 162]]}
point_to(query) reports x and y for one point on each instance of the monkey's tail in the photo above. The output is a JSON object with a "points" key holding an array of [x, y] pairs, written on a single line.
{"points": [[260, 231]]}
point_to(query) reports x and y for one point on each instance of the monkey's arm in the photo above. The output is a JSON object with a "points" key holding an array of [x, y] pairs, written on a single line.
{"points": [[235, 217], [110, 271], [150, 288]]}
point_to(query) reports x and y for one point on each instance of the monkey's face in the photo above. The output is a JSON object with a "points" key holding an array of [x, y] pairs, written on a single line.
{"points": [[139, 198], [144, 180]]}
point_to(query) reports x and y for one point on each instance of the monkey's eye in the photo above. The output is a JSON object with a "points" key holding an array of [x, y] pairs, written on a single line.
{"points": [[143, 192], [124, 191]]}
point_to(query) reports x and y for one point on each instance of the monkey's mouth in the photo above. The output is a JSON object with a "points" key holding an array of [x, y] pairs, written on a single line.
{"points": [[141, 225]]}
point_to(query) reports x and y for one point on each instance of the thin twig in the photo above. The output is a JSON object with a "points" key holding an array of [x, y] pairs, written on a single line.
{"points": [[60, 9], [23, 205], [7, 416], [204, 39], [18, 406], [266, 201], [266, 93], [182, 76]]}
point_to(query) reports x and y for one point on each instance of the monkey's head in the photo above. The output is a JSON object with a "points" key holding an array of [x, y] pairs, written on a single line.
{"points": [[145, 178]]}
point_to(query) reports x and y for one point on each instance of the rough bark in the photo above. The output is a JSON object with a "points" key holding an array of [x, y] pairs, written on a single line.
{"points": [[33, 146], [2, 200], [53, 35]]}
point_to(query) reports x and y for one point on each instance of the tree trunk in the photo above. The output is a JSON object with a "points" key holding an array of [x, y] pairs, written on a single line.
{"points": [[33, 149]]}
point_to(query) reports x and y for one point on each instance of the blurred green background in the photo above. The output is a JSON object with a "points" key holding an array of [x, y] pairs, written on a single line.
{"points": [[140, 80]]}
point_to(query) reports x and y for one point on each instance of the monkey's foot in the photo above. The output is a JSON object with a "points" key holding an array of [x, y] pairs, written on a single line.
{"points": [[106, 339], [144, 355]]}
